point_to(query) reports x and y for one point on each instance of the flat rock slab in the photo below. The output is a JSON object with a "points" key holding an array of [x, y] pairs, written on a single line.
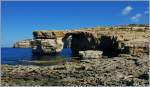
{"points": [[117, 71], [90, 54]]}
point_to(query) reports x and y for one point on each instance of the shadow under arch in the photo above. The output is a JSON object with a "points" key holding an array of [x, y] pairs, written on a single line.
{"points": [[84, 41], [79, 41], [109, 45]]}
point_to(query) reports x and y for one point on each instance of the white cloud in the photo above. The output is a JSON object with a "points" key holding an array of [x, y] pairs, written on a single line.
{"points": [[146, 12], [127, 10], [136, 17]]}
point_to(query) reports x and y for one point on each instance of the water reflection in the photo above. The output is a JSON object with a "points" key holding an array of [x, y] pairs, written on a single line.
{"points": [[65, 54], [55, 59], [14, 56]]}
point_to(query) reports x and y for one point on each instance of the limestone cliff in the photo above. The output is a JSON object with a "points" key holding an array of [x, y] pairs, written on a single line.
{"points": [[81, 40], [47, 42], [131, 39], [23, 44], [112, 41]]}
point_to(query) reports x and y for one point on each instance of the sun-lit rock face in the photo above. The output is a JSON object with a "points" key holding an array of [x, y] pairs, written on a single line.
{"points": [[124, 70], [90, 54], [111, 40], [138, 47], [23, 44], [48, 34], [47, 42], [133, 42]]}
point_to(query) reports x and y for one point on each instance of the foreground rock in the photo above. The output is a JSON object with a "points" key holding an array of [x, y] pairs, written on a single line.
{"points": [[90, 54], [124, 70]]}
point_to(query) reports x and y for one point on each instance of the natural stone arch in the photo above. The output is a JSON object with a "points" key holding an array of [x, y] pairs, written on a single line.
{"points": [[80, 40], [109, 45]]}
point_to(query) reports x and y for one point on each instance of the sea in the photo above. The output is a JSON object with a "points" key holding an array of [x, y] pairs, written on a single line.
{"points": [[13, 56]]}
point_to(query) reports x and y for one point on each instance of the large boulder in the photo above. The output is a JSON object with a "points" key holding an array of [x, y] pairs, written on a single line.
{"points": [[90, 54]]}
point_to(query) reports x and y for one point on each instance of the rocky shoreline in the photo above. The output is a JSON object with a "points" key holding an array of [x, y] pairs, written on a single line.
{"points": [[109, 56], [124, 70]]}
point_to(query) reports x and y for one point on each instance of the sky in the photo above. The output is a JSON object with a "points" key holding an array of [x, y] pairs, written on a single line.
{"points": [[20, 19]]}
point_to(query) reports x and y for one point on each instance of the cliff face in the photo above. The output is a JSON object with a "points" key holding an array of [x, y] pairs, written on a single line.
{"points": [[23, 44], [90, 40], [134, 41], [47, 42], [48, 34], [80, 40], [111, 40]]}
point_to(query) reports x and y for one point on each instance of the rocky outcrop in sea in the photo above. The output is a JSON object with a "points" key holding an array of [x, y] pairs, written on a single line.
{"points": [[23, 44], [47, 42]]}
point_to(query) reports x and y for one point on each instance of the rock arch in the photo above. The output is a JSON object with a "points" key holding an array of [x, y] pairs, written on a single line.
{"points": [[82, 41]]}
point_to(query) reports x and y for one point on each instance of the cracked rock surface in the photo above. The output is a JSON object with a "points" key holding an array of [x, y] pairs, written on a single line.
{"points": [[124, 70]]}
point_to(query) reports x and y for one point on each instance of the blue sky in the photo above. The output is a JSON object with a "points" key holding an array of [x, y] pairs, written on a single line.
{"points": [[19, 19]]}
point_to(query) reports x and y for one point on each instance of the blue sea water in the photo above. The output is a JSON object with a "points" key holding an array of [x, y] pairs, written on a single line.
{"points": [[12, 56]]}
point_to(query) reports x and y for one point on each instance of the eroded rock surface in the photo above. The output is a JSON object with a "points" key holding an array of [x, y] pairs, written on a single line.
{"points": [[112, 41], [90, 54], [124, 70], [119, 57], [23, 44], [130, 39], [81, 41], [47, 42]]}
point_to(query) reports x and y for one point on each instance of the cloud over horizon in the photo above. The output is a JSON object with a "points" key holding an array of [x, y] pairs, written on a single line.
{"points": [[136, 17], [127, 10]]}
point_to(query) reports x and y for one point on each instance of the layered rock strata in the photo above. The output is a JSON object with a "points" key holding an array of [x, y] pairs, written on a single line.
{"points": [[111, 42], [90, 54], [124, 70], [47, 42], [91, 40], [23, 44], [81, 41], [131, 39]]}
